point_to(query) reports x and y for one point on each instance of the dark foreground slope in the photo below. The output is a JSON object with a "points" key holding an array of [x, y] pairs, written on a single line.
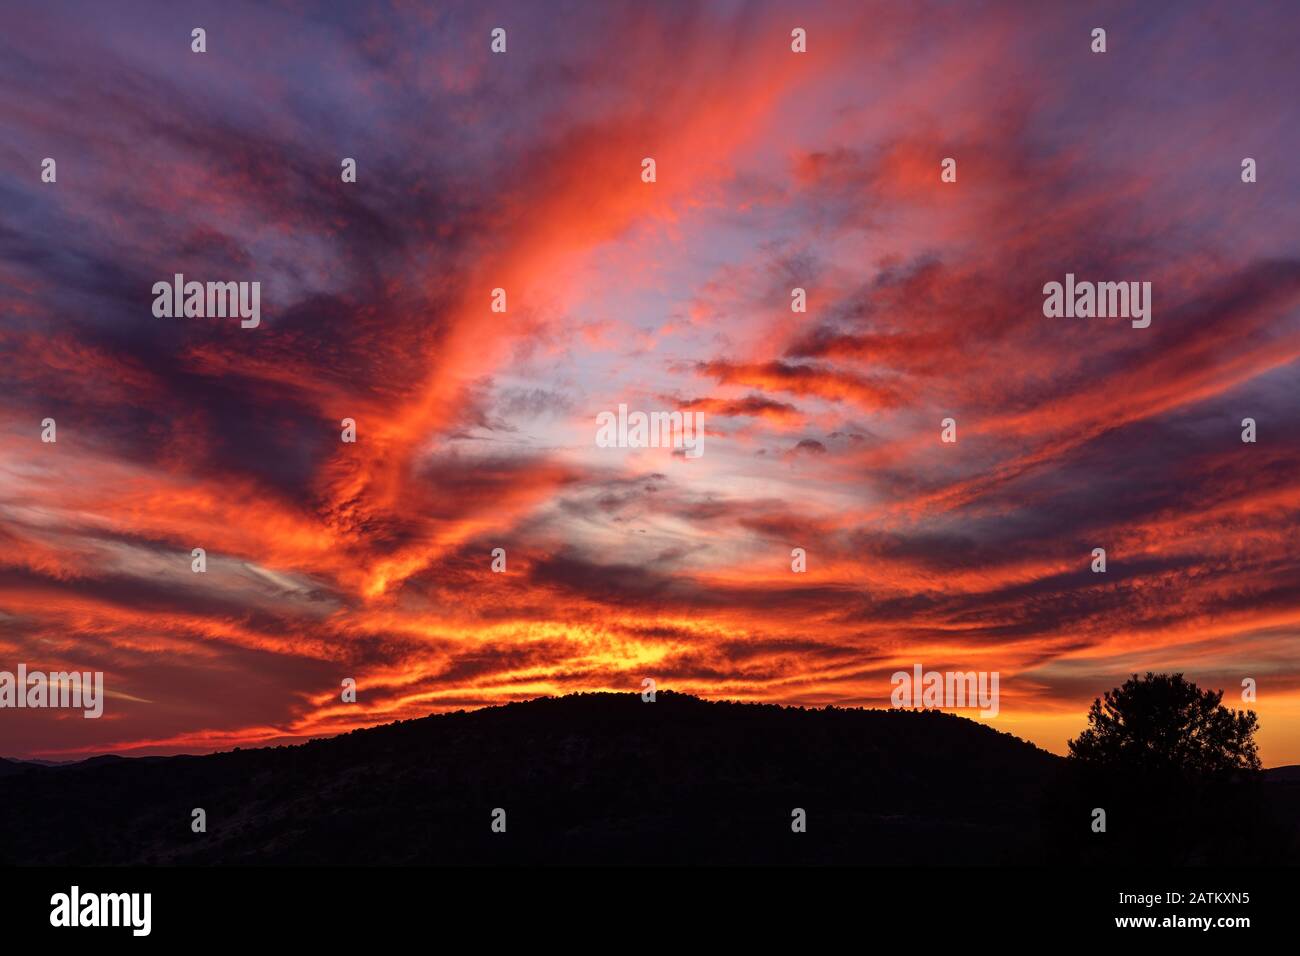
{"points": [[585, 778]]}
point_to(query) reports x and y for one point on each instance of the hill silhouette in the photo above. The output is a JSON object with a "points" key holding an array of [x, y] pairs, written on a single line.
{"points": [[602, 778], [587, 778]]}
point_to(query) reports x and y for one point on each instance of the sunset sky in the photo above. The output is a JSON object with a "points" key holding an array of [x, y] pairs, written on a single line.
{"points": [[476, 430]]}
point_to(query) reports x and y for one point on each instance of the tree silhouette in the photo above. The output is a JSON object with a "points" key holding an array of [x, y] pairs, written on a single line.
{"points": [[1177, 774], [1162, 723]]}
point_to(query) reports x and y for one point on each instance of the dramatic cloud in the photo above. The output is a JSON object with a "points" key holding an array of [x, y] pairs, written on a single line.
{"points": [[475, 428]]}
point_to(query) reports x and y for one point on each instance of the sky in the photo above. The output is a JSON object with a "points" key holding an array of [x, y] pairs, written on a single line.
{"points": [[476, 430]]}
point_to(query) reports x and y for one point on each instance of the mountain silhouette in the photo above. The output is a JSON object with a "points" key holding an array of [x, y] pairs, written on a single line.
{"points": [[587, 778]]}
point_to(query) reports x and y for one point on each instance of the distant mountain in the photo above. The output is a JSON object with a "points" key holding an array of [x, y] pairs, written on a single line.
{"points": [[588, 778], [8, 766], [584, 778]]}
